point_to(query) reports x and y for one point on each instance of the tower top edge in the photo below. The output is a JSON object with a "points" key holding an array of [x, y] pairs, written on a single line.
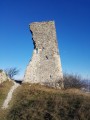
{"points": [[43, 22]]}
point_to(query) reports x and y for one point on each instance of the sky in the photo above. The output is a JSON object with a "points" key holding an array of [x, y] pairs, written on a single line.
{"points": [[72, 20]]}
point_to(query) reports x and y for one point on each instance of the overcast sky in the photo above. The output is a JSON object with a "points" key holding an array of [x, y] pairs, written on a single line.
{"points": [[72, 18]]}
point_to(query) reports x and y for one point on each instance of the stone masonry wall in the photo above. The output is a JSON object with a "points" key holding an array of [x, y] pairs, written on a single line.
{"points": [[45, 65], [3, 76]]}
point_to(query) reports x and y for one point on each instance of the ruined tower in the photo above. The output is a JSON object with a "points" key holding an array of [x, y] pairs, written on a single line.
{"points": [[45, 65]]}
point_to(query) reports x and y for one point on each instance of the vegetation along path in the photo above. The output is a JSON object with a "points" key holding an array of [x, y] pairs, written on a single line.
{"points": [[9, 96]]}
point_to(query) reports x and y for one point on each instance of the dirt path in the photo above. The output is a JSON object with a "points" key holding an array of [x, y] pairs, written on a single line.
{"points": [[9, 96]]}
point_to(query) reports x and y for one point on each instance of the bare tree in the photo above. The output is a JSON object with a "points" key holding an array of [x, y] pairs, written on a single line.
{"points": [[11, 72], [73, 81]]}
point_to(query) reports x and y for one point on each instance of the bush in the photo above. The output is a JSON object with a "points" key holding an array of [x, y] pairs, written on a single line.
{"points": [[1, 70], [73, 81]]}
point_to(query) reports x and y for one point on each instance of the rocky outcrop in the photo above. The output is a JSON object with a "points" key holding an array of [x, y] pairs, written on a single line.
{"points": [[3, 77], [45, 65]]}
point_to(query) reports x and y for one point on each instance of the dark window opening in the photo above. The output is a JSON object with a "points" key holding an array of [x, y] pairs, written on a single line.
{"points": [[47, 57], [43, 48], [50, 76], [36, 50]]}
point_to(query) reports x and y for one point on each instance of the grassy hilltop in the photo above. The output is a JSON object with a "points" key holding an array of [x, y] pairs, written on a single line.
{"points": [[36, 102]]}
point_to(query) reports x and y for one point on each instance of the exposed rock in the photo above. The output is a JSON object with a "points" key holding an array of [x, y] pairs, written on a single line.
{"points": [[45, 66], [3, 77]]}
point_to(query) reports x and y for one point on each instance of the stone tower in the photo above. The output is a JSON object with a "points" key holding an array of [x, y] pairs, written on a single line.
{"points": [[45, 65]]}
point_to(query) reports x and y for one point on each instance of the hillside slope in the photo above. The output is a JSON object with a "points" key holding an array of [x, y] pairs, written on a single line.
{"points": [[35, 102], [4, 89]]}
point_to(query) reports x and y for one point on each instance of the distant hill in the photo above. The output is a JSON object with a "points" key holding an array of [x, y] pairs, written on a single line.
{"points": [[36, 102]]}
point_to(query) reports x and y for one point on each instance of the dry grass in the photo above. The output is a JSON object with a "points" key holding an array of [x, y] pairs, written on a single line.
{"points": [[4, 89], [36, 102]]}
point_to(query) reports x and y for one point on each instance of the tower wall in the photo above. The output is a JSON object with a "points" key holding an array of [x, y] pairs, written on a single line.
{"points": [[45, 65]]}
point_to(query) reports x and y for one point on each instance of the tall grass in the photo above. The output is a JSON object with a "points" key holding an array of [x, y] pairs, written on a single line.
{"points": [[37, 102], [4, 89]]}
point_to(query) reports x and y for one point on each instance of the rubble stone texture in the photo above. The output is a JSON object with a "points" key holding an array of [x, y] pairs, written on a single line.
{"points": [[3, 76], [45, 65]]}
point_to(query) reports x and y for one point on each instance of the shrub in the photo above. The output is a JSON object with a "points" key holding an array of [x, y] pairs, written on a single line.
{"points": [[73, 81], [1, 70]]}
